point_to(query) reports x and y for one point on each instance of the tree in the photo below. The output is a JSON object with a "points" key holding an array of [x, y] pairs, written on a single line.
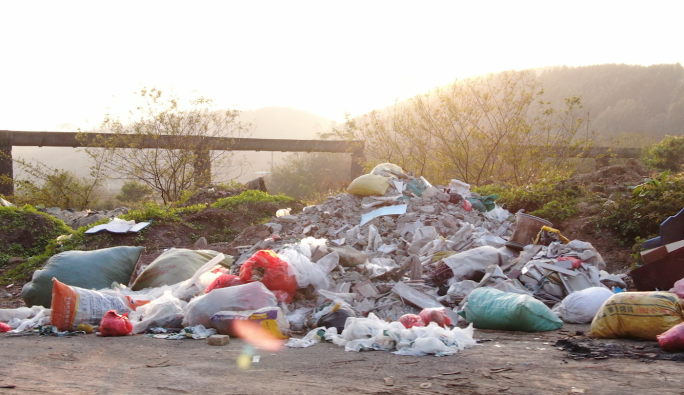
{"points": [[493, 128], [187, 164], [134, 192], [42, 185]]}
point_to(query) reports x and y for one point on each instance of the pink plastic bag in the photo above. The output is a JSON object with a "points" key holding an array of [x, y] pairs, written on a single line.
{"points": [[223, 281], [411, 320], [679, 288], [113, 324], [436, 314], [673, 339], [4, 327]]}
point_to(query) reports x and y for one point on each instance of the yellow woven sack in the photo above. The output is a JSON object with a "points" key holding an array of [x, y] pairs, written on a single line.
{"points": [[642, 315], [369, 184]]}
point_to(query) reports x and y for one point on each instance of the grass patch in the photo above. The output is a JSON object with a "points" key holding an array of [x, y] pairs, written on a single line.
{"points": [[250, 196]]}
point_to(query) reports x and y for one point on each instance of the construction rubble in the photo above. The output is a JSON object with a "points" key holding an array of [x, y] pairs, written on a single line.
{"points": [[396, 264]]}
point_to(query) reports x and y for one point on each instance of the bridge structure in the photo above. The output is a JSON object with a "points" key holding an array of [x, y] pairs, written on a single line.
{"points": [[202, 146]]}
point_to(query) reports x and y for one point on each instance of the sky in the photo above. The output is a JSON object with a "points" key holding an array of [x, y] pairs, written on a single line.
{"points": [[66, 64]]}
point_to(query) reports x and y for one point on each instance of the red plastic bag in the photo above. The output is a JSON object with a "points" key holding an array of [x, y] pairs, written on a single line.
{"points": [[4, 327], [673, 339], [223, 281], [435, 314], [113, 324], [411, 320], [267, 267]]}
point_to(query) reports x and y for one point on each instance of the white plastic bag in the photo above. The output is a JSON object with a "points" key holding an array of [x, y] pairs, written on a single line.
{"points": [[309, 273], [164, 311], [252, 296], [580, 307]]}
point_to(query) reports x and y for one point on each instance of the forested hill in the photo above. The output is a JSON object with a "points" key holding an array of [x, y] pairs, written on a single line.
{"points": [[623, 99]]}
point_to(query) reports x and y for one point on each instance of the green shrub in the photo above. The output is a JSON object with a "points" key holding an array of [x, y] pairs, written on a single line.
{"points": [[640, 214], [549, 198], [668, 154], [250, 196]]}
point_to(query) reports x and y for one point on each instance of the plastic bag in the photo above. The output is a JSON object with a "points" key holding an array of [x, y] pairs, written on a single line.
{"points": [[337, 318], [223, 281], [113, 324], [309, 273], [643, 315], [72, 306], [580, 307], [85, 269], [165, 311], [489, 308], [437, 315], [369, 184], [273, 272], [411, 320], [678, 288], [252, 296], [4, 327], [673, 339]]}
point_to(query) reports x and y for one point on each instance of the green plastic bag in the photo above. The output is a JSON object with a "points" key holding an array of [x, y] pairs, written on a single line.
{"points": [[489, 308], [174, 266], [484, 203], [85, 269]]}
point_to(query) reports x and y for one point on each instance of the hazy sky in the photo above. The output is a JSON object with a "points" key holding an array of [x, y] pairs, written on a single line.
{"points": [[68, 63]]}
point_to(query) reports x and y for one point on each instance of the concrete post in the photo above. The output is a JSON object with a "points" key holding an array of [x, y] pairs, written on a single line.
{"points": [[358, 158], [6, 164], [202, 168]]}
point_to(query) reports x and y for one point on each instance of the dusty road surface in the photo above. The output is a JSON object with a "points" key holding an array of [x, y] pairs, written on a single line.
{"points": [[505, 363]]}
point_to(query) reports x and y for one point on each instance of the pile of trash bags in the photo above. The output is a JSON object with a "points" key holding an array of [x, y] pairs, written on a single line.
{"points": [[394, 264]]}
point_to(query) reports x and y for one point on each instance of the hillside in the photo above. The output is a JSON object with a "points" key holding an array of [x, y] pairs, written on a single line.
{"points": [[623, 99]]}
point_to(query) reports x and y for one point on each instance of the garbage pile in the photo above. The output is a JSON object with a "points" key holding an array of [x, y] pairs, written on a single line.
{"points": [[396, 264]]}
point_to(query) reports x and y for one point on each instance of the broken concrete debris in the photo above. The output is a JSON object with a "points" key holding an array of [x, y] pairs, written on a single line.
{"points": [[351, 269]]}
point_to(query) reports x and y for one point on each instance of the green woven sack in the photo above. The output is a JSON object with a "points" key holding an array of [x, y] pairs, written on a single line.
{"points": [[85, 269], [489, 308], [174, 266]]}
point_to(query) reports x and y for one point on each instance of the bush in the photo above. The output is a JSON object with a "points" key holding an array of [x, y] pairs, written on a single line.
{"points": [[668, 154], [640, 214], [550, 198]]}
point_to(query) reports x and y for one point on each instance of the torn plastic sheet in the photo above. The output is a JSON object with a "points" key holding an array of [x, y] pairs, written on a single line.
{"points": [[118, 226], [391, 210]]}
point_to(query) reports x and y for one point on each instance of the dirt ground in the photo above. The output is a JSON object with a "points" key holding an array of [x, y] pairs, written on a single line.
{"points": [[505, 363]]}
